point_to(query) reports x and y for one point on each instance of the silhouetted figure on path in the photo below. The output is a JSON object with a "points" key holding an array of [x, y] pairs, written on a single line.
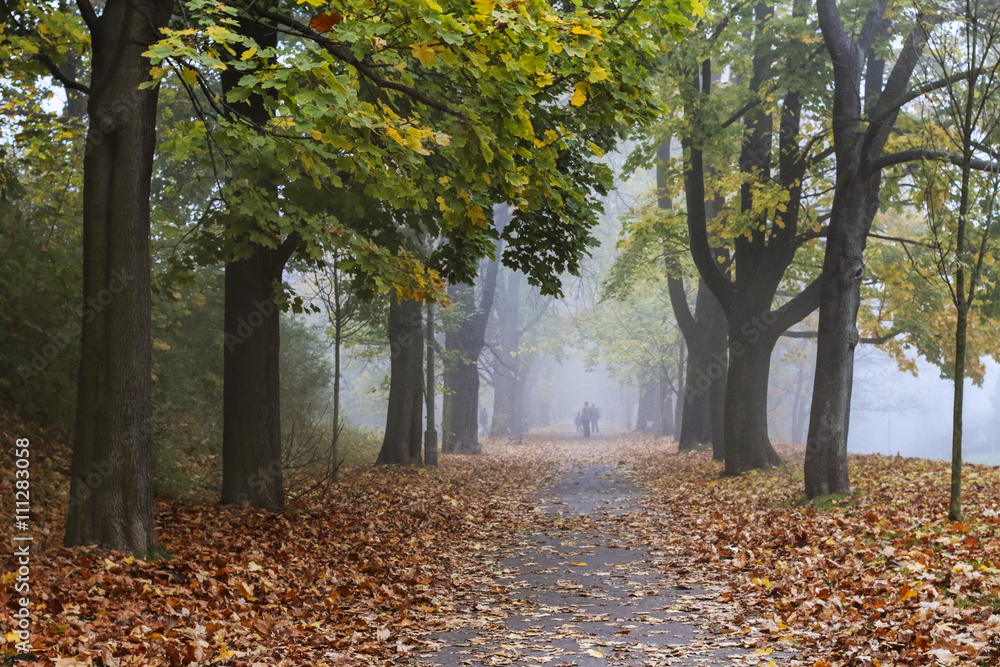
{"points": [[585, 416], [595, 414]]}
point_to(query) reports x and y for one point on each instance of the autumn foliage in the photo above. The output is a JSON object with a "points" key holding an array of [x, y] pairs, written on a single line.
{"points": [[369, 573]]}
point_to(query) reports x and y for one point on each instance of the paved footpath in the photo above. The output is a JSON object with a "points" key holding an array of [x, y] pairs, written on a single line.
{"points": [[587, 592]]}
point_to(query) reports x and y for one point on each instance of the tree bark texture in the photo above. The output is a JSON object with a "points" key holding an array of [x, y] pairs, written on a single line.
{"points": [[251, 396], [855, 203], [404, 412], [111, 487], [648, 414], [745, 426], [705, 335], [465, 343], [760, 257], [251, 431]]}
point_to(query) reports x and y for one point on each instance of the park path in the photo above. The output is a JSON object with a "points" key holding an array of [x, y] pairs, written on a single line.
{"points": [[588, 588]]}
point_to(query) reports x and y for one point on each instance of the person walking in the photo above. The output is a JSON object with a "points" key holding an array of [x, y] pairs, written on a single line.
{"points": [[578, 421], [585, 416], [595, 414]]}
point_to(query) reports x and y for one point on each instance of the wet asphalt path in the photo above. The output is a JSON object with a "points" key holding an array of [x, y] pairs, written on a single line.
{"points": [[587, 592]]}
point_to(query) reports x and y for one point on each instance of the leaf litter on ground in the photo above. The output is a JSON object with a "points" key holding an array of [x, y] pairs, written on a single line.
{"points": [[367, 574]]}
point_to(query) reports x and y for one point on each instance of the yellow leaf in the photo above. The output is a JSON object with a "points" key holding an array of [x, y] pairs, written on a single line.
{"points": [[424, 53], [249, 53], [12, 637], [225, 653], [189, 75], [764, 651], [599, 74], [595, 654], [579, 564], [579, 94], [245, 589]]}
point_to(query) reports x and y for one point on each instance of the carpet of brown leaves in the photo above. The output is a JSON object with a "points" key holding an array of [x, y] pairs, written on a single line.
{"points": [[879, 577], [365, 575]]}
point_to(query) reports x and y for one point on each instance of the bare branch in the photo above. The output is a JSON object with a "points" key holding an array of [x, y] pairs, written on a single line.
{"points": [[914, 154]]}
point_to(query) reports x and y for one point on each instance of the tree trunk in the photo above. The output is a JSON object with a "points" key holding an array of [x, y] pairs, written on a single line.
{"points": [[460, 422], [855, 203], [430, 433], [666, 407], [404, 413], [506, 383], [746, 441], [251, 406], [111, 488], [704, 386], [826, 448], [251, 431], [648, 415], [679, 404], [465, 343]]}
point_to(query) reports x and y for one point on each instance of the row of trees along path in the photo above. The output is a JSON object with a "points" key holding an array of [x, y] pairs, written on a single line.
{"points": [[589, 583]]}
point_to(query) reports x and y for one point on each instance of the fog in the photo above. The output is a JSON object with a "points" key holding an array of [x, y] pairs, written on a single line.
{"points": [[893, 412], [561, 364]]}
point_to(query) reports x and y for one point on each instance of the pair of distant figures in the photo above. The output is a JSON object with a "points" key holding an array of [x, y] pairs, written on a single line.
{"points": [[587, 419]]}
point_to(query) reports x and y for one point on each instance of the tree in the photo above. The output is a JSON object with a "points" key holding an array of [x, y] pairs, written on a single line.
{"points": [[764, 226], [464, 343], [112, 439], [400, 85], [866, 107], [251, 431], [964, 232], [704, 331], [346, 320], [404, 412]]}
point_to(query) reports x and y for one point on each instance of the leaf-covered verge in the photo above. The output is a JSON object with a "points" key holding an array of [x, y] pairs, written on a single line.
{"points": [[366, 576], [878, 577], [360, 577]]}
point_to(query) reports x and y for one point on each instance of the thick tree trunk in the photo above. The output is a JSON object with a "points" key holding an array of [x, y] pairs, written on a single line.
{"points": [[251, 406], [705, 334], [648, 415], [826, 449], [251, 431], [465, 343], [747, 444], [460, 421], [111, 488], [855, 203], [404, 413]]}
